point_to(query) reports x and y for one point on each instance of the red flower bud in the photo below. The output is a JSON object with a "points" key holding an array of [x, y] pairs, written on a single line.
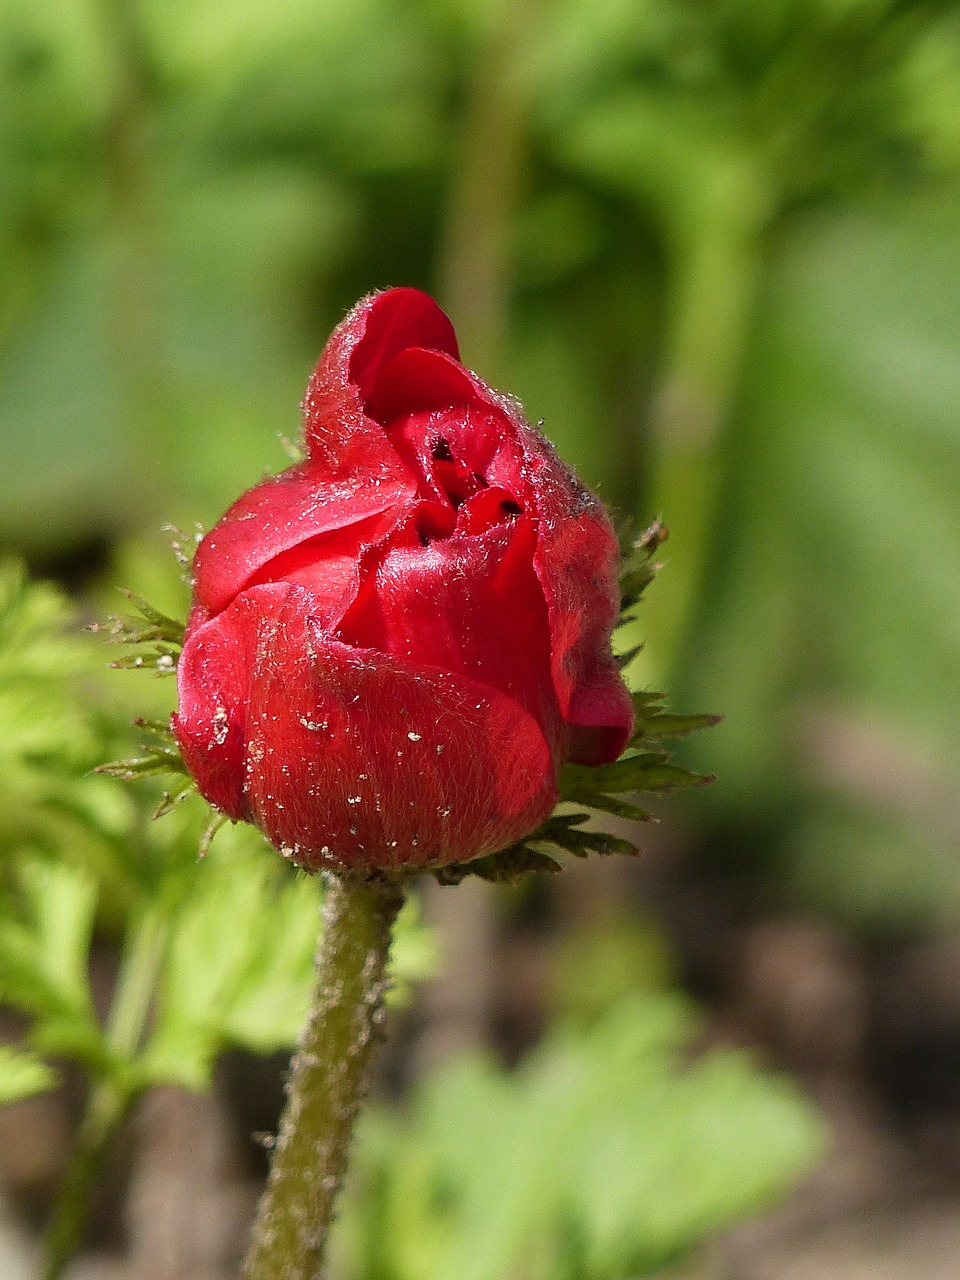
{"points": [[395, 644]]}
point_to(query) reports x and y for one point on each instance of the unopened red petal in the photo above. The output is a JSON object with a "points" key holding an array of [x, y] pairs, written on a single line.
{"points": [[467, 604], [577, 562], [280, 513], [212, 679], [417, 380], [362, 759], [337, 431], [390, 322], [395, 645]]}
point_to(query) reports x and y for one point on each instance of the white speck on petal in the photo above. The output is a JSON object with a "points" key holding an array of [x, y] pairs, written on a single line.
{"points": [[414, 737], [221, 726]]}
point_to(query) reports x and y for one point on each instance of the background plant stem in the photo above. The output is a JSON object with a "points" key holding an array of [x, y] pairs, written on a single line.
{"points": [[111, 1097], [327, 1081], [475, 266], [106, 1107], [136, 318], [710, 309]]}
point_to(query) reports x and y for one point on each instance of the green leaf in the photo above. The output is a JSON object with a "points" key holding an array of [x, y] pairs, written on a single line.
{"points": [[42, 725], [606, 1153], [56, 905], [44, 944], [22, 1075], [239, 969], [242, 943]]}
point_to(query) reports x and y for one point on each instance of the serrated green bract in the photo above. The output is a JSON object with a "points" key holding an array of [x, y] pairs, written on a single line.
{"points": [[608, 788], [602, 1155], [638, 567], [158, 758], [161, 636]]}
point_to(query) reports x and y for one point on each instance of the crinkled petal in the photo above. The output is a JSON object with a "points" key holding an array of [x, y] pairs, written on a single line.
{"points": [[337, 432], [468, 604], [363, 759], [480, 436], [328, 566], [416, 380], [576, 561], [280, 513]]}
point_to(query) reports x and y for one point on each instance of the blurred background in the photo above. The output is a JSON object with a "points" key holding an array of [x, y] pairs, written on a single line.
{"points": [[715, 246]]}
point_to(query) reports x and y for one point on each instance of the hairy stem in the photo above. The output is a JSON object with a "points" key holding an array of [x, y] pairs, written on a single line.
{"points": [[327, 1081]]}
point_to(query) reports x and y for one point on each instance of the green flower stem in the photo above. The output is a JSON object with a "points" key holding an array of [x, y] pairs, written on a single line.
{"points": [[327, 1081], [106, 1107], [111, 1097]]}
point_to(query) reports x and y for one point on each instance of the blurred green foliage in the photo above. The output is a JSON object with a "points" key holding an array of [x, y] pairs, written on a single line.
{"points": [[830, 627], [601, 1156], [712, 244]]}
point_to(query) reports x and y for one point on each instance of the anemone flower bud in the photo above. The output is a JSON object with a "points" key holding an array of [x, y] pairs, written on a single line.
{"points": [[395, 644]]}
